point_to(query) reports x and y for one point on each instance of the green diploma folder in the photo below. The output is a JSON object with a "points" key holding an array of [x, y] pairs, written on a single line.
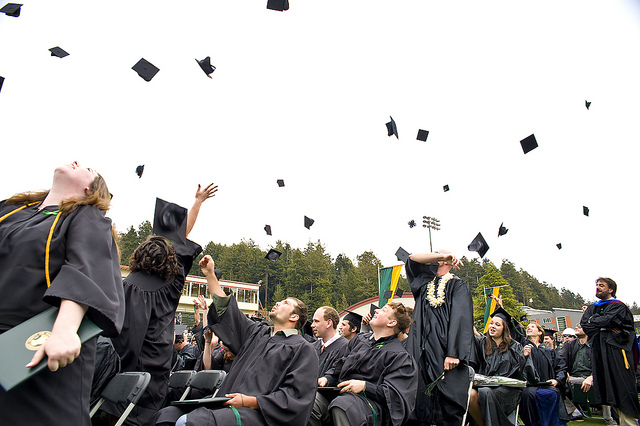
{"points": [[18, 345]]}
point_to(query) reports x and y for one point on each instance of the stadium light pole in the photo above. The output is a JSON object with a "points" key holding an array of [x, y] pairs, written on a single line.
{"points": [[430, 223]]}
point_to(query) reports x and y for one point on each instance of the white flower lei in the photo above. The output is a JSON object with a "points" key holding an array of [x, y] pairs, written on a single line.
{"points": [[431, 290]]}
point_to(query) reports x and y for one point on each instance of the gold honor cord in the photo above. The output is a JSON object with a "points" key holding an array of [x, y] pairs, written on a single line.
{"points": [[46, 254]]}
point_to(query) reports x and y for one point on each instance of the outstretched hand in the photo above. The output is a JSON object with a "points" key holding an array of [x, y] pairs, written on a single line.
{"points": [[207, 265], [498, 300], [206, 193]]}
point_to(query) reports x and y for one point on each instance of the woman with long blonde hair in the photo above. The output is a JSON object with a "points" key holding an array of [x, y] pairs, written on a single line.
{"points": [[57, 248]]}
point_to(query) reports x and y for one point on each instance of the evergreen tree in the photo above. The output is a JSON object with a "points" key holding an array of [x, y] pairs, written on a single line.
{"points": [[493, 278]]}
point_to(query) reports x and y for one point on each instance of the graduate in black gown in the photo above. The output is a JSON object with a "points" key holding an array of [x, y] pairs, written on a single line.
{"points": [[57, 249], [609, 325], [273, 377], [440, 338], [330, 346], [496, 354], [152, 293], [547, 374], [378, 377]]}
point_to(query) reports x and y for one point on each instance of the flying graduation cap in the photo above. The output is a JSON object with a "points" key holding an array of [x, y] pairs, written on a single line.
{"points": [[445, 188], [145, 69], [559, 245], [392, 129], [273, 255], [170, 221], [280, 182], [402, 255], [267, 229], [503, 230], [387, 294], [479, 244], [1, 83], [308, 222], [279, 5], [412, 223], [422, 135], [58, 52], [11, 9], [529, 143], [587, 104], [139, 171], [206, 66], [372, 310], [585, 210]]}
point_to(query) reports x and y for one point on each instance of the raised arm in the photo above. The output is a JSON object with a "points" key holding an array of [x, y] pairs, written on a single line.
{"points": [[444, 256], [207, 266], [201, 196]]}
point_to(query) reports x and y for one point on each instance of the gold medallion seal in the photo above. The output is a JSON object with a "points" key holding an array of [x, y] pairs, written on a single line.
{"points": [[36, 340]]}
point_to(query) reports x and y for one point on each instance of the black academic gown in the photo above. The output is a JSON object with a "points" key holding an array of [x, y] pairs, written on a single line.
{"points": [[84, 267], [613, 366], [497, 402], [146, 341], [275, 369], [392, 382], [547, 365], [435, 334], [331, 354]]}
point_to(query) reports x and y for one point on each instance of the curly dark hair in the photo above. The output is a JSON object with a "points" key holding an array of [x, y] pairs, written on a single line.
{"points": [[401, 316], [155, 257]]}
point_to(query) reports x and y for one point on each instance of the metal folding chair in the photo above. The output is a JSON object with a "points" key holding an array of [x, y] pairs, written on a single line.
{"points": [[123, 388], [179, 381], [206, 381]]}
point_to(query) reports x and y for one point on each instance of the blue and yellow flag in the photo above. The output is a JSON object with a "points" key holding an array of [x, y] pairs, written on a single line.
{"points": [[491, 304], [388, 281]]}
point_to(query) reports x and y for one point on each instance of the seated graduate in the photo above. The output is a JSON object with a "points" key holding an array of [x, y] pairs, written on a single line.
{"points": [[350, 325], [330, 346], [378, 378], [269, 383], [188, 354], [496, 354], [547, 378]]}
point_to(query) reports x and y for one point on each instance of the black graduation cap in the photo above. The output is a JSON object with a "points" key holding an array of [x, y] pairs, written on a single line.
{"points": [[479, 244], [503, 230], [280, 182], [504, 316], [308, 222], [402, 254], [280, 5], [140, 170], [548, 332], [218, 273], [412, 223], [59, 52], [307, 329], [273, 255], [585, 210], [267, 229], [1, 82], [529, 143], [559, 245], [387, 294], [206, 66], [392, 129], [11, 9], [145, 69], [170, 221], [399, 292], [446, 188], [354, 319], [587, 104], [422, 135], [372, 310]]}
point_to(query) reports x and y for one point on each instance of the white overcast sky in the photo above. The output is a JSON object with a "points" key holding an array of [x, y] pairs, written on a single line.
{"points": [[304, 96]]}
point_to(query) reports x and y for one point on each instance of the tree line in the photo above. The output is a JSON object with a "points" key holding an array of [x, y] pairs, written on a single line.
{"points": [[313, 276]]}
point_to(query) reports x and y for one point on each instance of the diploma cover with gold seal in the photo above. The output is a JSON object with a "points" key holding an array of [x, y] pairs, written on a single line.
{"points": [[18, 345]]}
